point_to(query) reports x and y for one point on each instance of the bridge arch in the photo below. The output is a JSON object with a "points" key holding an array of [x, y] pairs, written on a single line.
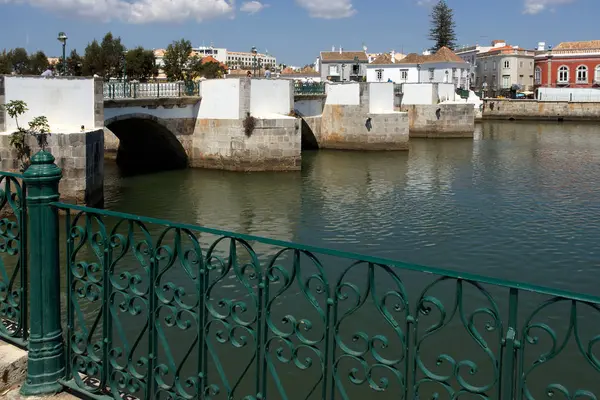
{"points": [[146, 143]]}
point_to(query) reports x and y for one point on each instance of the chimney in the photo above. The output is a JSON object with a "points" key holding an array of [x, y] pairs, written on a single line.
{"points": [[332, 48], [341, 50], [393, 56], [541, 46]]}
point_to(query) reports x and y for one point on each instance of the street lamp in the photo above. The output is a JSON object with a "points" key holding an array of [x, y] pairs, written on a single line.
{"points": [[124, 65], [62, 37], [254, 52]]}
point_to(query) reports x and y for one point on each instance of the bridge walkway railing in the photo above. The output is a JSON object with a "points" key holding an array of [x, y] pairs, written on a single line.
{"points": [[158, 309], [139, 90]]}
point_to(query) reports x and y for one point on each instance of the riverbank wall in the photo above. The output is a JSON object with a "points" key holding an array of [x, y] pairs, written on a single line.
{"points": [[73, 107], [441, 121], [246, 125], [361, 116], [507, 109]]}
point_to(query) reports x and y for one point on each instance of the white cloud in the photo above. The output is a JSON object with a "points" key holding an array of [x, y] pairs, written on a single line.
{"points": [[537, 6], [137, 11], [252, 7], [328, 9]]}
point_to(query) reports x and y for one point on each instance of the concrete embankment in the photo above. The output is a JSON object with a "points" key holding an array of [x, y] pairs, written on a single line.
{"points": [[506, 109]]}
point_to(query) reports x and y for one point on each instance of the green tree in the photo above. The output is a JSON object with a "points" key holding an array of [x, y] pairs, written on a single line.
{"points": [[5, 66], [177, 59], [92, 60], [19, 60], [141, 64], [74, 64], [212, 70], [38, 63], [442, 26], [112, 55]]}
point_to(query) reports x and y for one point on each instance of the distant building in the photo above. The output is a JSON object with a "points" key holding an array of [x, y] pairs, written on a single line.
{"points": [[245, 60], [503, 66], [469, 54], [570, 64], [441, 67], [341, 66], [219, 54]]}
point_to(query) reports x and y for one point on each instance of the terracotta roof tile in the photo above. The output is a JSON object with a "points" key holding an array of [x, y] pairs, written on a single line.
{"points": [[442, 55], [589, 44], [382, 59], [343, 56]]}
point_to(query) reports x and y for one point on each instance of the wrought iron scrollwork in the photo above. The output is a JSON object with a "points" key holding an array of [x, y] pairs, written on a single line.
{"points": [[13, 260], [164, 310]]}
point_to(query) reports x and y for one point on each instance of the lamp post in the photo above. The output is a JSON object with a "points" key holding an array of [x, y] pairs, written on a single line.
{"points": [[62, 37], [124, 66], [254, 52]]}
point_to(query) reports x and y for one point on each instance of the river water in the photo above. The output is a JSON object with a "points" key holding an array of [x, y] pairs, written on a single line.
{"points": [[520, 201]]}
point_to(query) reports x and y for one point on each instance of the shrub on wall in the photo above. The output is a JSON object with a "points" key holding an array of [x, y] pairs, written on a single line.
{"points": [[249, 125], [38, 128]]}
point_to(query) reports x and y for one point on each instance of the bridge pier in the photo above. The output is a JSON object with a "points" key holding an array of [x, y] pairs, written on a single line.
{"points": [[74, 109]]}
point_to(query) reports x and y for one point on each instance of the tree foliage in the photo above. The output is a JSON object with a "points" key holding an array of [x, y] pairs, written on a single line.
{"points": [[5, 65], [177, 59], [112, 55], [442, 26], [141, 64], [19, 61], [92, 59], [38, 63], [37, 127], [74, 64]]}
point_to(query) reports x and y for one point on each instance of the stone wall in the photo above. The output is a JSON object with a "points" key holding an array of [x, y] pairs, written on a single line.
{"points": [[222, 144], [353, 127], [311, 132], [441, 120], [540, 110], [80, 157]]}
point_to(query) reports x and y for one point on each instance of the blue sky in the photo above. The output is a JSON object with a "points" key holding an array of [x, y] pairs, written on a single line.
{"points": [[292, 30]]}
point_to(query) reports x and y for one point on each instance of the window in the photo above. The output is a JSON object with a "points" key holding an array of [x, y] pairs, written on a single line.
{"points": [[563, 74], [333, 70], [404, 74], [446, 76], [521, 64], [582, 74], [538, 76], [379, 74], [597, 77], [506, 64], [520, 79], [355, 69], [485, 66], [494, 67], [431, 73], [505, 81]]}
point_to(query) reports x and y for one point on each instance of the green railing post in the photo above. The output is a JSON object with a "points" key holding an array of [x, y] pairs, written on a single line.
{"points": [[46, 362]]}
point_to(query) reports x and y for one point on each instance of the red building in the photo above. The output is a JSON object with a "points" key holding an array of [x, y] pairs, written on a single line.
{"points": [[570, 64]]}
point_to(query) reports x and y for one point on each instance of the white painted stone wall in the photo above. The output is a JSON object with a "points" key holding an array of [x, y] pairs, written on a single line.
{"points": [[271, 97], [220, 99], [347, 94], [427, 93], [189, 111], [417, 93], [381, 98], [68, 103]]}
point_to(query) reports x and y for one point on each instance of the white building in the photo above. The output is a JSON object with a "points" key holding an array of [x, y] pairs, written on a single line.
{"points": [[219, 54], [442, 67], [245, 60], [469, 54]]}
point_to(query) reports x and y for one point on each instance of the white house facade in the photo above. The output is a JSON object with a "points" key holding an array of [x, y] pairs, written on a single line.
{"points": [[441, 67]]}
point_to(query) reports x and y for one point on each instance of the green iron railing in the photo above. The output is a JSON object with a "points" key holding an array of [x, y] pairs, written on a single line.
{"points": [[309, 88], [137, 90], [13, 259], [162, 310]]}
